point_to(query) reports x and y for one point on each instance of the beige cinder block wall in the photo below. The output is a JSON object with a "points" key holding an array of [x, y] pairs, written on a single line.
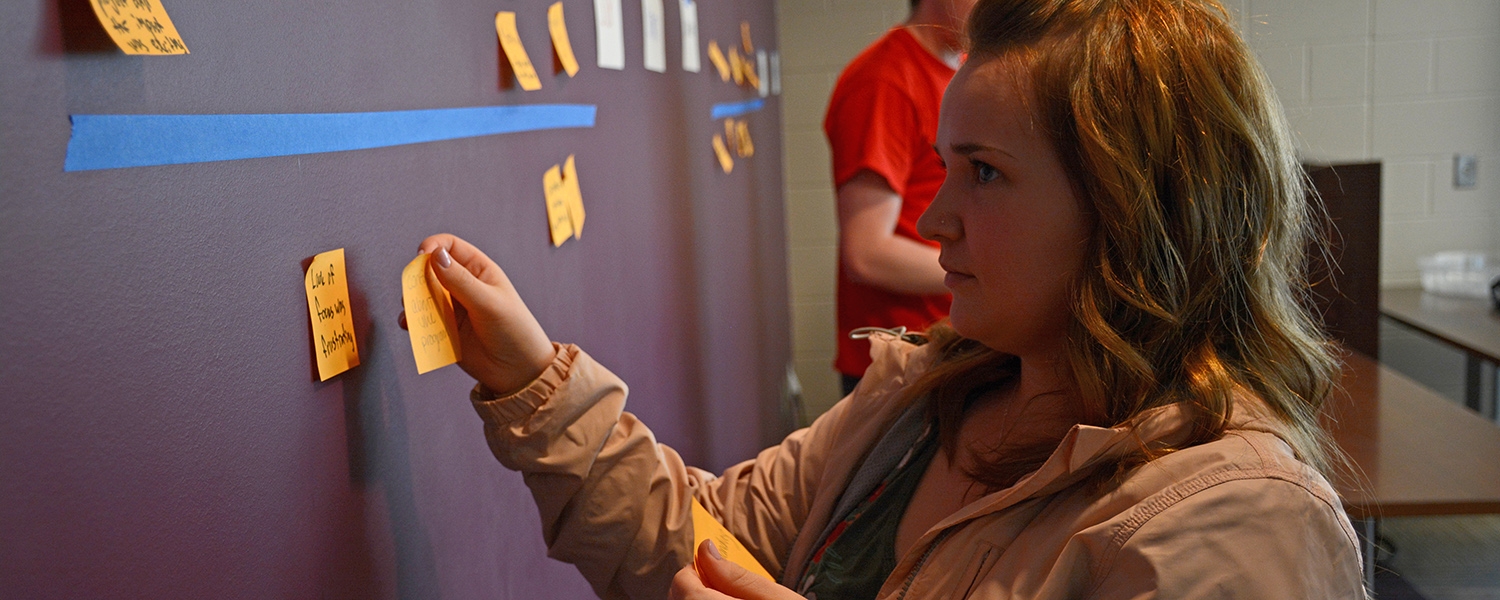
{"points": [[1407, 82], [818, 37]]}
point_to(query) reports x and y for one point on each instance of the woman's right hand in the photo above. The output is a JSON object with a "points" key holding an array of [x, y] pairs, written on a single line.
{"points": [[503, 346]]}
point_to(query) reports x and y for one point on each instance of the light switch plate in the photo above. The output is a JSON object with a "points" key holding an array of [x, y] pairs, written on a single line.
{"points": [[1465, 171]]}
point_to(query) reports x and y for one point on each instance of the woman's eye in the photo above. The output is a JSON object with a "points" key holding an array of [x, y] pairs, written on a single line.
{"points": [[985, 173]]}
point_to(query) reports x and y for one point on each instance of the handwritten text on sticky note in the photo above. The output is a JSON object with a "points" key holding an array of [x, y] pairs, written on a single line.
{"points": [[561, 46], [139, 26], [559, 222], [332, 321], [515, 53], [429, 316], [706, 527]]}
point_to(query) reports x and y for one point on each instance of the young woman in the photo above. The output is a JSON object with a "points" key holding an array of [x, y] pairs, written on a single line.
{"points": [[1123, 406]]}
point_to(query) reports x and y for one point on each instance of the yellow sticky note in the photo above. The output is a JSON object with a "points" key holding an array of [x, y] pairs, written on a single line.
{"points": [[736, 66], [515, 53], [558, 219], [139, 26], [574, 196], [745, 38], [743, 146], [716, 56], [705, 527], [429, 316], [560, 43], [726, 162], [332, 321]]}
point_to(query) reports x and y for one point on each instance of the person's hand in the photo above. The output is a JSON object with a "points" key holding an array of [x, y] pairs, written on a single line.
{"points": [[710, 577], [501, 343]]}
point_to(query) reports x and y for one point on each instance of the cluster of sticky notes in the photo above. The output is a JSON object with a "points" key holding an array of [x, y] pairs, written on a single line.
{"points": [[429, 316], [565, 214], [332, 321], [735, 142], [736, 64], [706, 527], [139, 26], [517, 64]]}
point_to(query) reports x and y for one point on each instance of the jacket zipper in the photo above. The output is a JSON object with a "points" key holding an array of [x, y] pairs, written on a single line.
{"points": [[912, 576]]}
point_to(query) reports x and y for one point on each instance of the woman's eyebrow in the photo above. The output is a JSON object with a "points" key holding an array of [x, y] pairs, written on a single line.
{"points": [[968, 148]]}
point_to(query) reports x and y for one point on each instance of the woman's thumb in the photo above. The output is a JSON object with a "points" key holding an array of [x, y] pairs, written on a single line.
{"points": [[725, 576]]}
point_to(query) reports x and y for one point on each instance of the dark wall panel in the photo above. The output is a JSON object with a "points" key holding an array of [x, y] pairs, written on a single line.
{"points": [[164, 435]]}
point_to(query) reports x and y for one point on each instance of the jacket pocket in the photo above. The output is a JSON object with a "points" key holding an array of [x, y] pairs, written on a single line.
{"points": [[984, 557]]}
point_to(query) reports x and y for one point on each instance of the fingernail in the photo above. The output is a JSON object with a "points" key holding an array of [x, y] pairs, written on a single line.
{"points": [[713, 550], [443, 259]]}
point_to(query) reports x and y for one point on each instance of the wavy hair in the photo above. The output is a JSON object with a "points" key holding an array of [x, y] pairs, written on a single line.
{"points": [[1195, 282]]}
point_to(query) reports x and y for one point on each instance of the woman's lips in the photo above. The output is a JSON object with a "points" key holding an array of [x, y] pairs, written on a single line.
{"points": [[953, 279]]}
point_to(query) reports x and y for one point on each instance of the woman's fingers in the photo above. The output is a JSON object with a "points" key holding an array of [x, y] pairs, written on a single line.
{"points": [[687, 586], [732, 580], [503, 345]]}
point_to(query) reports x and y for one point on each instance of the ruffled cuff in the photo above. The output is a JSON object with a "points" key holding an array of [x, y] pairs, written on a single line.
{"points": [[502, 411]]}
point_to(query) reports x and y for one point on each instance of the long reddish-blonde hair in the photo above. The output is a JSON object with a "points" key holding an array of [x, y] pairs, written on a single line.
{"points": [[1195, 282]]}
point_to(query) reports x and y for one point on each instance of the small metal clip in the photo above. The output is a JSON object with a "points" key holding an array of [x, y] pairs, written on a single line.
{"points": [[898, 332]]}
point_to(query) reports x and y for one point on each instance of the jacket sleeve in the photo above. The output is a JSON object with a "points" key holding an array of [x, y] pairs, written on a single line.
{"points": [[1251, 538], [615, 503]]}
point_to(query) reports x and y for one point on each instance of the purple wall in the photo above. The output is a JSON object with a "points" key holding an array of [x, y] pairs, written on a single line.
{"points": [[164, 435]]}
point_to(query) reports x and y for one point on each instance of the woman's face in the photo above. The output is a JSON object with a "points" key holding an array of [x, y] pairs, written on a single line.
{"points": [[1012, 229]]}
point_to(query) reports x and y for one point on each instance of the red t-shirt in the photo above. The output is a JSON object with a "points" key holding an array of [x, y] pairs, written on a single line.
{"points": [[883, 118]]}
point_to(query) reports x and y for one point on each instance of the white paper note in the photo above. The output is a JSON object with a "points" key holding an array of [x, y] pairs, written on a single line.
{"points": [[610, 28], [776, 73], [654, 35], [763, 70], [691, 62]]}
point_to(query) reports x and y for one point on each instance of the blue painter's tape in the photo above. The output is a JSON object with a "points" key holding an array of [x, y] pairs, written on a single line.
{"points": [[119, 141], [735, 109]]}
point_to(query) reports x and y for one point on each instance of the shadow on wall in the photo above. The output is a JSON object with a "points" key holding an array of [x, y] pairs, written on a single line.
{"points": [[383, 520]]}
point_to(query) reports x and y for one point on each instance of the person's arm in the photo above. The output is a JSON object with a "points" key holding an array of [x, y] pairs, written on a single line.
{"points": [[869, 248], [612, 501]]}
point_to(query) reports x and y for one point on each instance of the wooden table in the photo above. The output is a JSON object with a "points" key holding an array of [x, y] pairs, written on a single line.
{"points": [[1412, 451], [1468, 324], [1420, 453]]}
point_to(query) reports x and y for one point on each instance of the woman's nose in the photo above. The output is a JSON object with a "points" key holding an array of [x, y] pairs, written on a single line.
{"points": [[938, 223]]}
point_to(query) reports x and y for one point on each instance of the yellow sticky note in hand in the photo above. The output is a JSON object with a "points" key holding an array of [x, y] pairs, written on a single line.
{"points": [[726, 162], [429, 316], [574, 196], [139, 26], [716, 56], [705, 527], [743, 146], [515, 53], [332, 320], [561, 47], [559, 221]]}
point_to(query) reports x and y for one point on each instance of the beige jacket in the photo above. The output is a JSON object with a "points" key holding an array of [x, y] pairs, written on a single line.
{"points": [[1236, 518]]}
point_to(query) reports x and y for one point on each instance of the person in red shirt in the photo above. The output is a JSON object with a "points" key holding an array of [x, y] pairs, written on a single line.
{"points": [[881, 124]]}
